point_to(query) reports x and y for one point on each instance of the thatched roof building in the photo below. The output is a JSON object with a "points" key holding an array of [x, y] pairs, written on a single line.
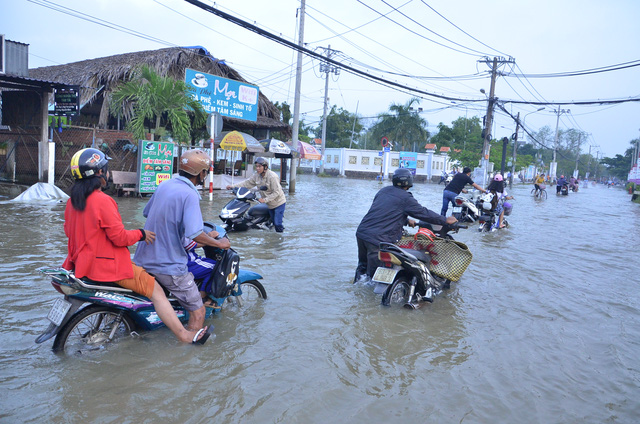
{"points": [[98, 77]]}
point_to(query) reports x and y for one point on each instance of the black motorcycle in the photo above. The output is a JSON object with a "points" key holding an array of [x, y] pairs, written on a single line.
{"points": [[239, 215], [412, 270]]}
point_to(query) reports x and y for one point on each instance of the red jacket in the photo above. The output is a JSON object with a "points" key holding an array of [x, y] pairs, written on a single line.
{"points": [[98, 240]]}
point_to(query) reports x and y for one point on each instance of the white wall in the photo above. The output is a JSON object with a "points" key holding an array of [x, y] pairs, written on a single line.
{"points": [[369, 161]]}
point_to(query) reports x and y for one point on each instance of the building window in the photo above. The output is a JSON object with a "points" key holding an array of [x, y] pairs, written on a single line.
{"points": [[364, 160], [353, 160], [395, 162], [336, 158], [420, 164], [377, 161]]}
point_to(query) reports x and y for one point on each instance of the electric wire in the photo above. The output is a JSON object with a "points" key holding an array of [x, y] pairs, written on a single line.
{"points": [[463, 31]]}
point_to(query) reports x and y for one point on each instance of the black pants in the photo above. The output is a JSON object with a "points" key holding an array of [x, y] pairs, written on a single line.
{"points": [[368, 260]]}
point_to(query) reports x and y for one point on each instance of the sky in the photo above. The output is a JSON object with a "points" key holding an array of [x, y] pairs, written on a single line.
{"points": [[438, 47]]}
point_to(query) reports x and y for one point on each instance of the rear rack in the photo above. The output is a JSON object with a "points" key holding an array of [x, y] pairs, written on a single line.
{"points": [[84, 284]]}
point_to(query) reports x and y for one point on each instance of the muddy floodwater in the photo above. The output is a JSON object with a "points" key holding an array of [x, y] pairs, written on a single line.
{"points": [[544, 326]]}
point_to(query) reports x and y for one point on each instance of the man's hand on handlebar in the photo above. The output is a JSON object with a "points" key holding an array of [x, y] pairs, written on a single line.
{"points": [[451, 220], [411, 223]]}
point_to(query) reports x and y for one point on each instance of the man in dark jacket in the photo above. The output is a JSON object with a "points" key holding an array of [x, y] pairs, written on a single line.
{"points": [[455, 187], [389, 212]]}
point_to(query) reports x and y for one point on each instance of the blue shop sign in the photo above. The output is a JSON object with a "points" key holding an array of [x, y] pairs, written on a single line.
{"points": [[227, 97]]}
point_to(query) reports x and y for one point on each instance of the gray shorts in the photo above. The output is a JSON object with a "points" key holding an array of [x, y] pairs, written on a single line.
{"points": [[183, 288]]}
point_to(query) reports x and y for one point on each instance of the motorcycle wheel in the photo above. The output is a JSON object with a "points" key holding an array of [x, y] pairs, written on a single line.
{"points": [[89, 330], [253, 292], [397, 294]]}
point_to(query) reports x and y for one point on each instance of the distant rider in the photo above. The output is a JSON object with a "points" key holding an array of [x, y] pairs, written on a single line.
{"points": [[496, 187], [98, 240], [561, 181], [389, 213], [454, 188], [273, 195], [538, 181]]}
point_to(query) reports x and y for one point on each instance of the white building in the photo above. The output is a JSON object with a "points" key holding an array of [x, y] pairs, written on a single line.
{"points": [[370, 163]]}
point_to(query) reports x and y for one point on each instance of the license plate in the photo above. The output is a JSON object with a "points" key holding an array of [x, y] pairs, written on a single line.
{"points": [[384, 275], [58, 311], [457, 209]]}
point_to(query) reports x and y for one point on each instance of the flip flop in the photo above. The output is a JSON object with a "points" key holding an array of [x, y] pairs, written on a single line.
{"points": [[202, 340]]}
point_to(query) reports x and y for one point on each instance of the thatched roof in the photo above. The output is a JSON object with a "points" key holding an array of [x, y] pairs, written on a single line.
{"points": [[100, 76]]}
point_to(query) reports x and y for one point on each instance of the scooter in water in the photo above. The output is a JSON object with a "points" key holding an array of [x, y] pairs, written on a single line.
{"points": [[94, 314], [408, 277], [564, 190], [490, 218], [465, 210], [239, 215]]}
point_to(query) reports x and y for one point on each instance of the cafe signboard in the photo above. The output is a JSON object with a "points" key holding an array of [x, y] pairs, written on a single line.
{"points": [[155, 164]]}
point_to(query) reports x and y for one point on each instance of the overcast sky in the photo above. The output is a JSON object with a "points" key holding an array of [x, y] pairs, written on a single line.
{"points": [[430, 41]]}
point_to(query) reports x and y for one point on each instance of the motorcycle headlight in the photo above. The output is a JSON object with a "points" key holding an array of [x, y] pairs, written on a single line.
{"points": [[228, 215]]}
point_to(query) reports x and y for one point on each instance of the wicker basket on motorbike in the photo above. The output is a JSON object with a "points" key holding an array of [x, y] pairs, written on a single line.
{"points": [[449, 258]]}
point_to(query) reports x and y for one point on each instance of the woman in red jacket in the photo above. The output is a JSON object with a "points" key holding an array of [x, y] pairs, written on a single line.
{"points": [[97, 247]]}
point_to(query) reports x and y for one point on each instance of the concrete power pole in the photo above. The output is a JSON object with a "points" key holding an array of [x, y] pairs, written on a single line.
{"points": [[489, 120], [515, 149], [296, 102], [327, 69], [554, 165]]}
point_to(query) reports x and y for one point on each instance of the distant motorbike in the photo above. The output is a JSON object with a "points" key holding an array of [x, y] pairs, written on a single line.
{"points": [[239, 215], [465, 209], [489, 219], [407, 278], [564, 190], [93, 314]]}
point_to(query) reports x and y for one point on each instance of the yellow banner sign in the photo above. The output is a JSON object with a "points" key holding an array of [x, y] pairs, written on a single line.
{"points": [[233, 141]]}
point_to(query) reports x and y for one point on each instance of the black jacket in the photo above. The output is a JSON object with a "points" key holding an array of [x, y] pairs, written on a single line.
{"points": [[388, 214]]}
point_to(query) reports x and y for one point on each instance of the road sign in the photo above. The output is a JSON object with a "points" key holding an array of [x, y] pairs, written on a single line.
{"points": [[385, 141], [387, 149], [214, 124]]}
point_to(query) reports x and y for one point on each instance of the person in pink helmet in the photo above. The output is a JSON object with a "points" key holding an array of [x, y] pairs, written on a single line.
{"points": [[496, 187]]}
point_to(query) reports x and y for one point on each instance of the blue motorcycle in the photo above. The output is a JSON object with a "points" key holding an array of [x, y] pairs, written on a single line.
{"points": [[93, 314]]}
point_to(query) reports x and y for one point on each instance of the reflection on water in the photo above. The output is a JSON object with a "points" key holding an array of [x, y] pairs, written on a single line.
{"points": [[543, 326]]}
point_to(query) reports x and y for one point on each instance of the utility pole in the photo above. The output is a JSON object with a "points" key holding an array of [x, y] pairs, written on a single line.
{"points": [[353, 129], [489, 119], [327, 69], [296, 102], [515, 149], [578, 155], [554, 165], [490, 104]]}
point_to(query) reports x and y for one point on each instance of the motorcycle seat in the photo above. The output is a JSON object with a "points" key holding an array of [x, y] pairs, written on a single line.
{"points": [[419, 254], [259, 210], [102, 285]]}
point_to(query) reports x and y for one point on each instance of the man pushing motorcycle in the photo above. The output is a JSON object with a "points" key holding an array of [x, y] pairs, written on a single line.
{"points": [[270, 190], [173, 212], [389, 213]]}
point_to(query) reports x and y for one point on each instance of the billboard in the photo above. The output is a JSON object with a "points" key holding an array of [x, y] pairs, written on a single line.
{"points": [[227, 97], [409, 160], [155, 164]]}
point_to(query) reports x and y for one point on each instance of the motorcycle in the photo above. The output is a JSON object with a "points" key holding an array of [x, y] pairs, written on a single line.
{"points": [[407, 277], [489, 220], [239, 215], [564, 190], [465, 209], [93, 314]]}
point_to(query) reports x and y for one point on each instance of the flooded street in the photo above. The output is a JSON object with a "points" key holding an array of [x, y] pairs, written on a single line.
{"points": [[544, 326]]}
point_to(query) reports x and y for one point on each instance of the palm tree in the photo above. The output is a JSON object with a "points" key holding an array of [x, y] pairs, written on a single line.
{"points": [[402, 125], [153, 99]]}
